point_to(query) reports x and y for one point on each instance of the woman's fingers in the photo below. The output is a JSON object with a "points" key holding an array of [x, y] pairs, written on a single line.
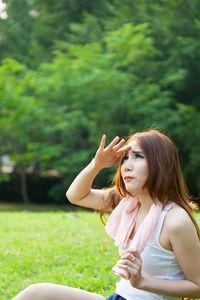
{"points": [[102, 143], [119, 145], [129, 267], [128, 256], [131, 256], [116, 148], [112, 144], [132, 263], [124, 149], [126, 262], [119, 148], [130, 253]]}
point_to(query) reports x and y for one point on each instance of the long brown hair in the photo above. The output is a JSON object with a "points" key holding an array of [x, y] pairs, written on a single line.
{"points": [[165, 181]]}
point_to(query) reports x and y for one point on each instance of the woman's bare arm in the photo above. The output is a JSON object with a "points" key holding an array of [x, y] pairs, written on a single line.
{"points": [[186, 246], [80, 191], [185, 243]]}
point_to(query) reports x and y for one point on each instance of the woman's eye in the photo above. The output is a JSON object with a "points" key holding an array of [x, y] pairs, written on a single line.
{"points": [[125, 157], [139, 156]]}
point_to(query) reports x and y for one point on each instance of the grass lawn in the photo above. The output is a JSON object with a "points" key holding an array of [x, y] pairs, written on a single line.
{"points": [[51, 244], [48, 244]]}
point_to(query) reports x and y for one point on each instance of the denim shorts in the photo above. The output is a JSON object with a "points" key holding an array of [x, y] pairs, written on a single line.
{"points": [[115, 296]]}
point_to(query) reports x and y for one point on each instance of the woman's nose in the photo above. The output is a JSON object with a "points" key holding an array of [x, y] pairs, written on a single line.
{"points": [[128, 166], [127, 169]]}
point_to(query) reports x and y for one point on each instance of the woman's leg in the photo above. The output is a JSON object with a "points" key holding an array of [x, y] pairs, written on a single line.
{"points": [[49, 291]]}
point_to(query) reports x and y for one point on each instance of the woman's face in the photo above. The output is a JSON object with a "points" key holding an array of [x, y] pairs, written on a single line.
{"points": [[134, 169]]}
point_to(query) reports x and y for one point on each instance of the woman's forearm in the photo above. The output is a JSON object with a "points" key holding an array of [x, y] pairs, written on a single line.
{"points": [[104, 158], [81, 185], [174, 288]]}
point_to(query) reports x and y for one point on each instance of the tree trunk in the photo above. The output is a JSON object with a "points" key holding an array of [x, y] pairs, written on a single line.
{"points": [[24, 189]]}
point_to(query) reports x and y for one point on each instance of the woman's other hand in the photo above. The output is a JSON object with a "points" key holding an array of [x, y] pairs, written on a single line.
{"points": [[132, 263]]}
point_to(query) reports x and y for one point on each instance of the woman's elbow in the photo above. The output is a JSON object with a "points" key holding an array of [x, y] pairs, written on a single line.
{"points": [[71, 198]]}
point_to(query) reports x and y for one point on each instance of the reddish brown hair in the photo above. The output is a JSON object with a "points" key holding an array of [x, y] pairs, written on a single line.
{"points": [[165, 181]]}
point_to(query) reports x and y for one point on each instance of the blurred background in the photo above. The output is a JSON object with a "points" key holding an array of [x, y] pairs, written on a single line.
{"points": [[71, 70]]}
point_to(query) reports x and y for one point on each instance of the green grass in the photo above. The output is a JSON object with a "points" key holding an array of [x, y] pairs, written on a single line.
{"points": [[51, 244], [57, 246]]}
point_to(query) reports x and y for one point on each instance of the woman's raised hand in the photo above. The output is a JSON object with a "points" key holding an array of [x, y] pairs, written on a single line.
{"points": [[109, 156]]}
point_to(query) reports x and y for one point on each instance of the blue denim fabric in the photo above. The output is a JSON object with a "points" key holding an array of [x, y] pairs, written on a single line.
{"points": [[114, 296]]}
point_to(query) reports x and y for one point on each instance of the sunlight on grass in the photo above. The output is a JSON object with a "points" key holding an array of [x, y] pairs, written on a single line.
{"points": [[63, 247], [55, 245]]}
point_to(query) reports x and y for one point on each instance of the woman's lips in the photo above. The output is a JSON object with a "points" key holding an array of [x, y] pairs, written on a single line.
{"points": [[128, 178]]}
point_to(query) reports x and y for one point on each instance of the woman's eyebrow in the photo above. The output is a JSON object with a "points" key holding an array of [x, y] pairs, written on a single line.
{"points": [[133, 151], [137, 152]]}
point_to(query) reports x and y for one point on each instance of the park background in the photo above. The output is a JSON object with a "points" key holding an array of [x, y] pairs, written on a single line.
{"points": [[71, 71]]}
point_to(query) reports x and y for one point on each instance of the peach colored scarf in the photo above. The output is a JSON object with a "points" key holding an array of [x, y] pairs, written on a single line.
{"points": [[122, 221]]}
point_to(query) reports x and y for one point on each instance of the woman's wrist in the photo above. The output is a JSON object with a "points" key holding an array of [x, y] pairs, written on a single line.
{"points": [[141, 283], [96, 166]]}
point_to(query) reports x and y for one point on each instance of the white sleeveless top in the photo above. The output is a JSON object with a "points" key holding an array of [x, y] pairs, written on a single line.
{"points": [[157, 262]]}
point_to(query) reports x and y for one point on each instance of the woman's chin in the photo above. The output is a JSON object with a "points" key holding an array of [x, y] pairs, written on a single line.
{"points": [[131, 191], [134, 191]]}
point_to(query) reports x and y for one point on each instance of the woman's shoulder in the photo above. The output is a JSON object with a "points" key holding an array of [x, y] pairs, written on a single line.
{"points": [[177, 219]]}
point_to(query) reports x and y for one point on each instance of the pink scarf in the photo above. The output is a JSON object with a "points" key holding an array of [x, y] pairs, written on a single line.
{"points": [[122, 221]]}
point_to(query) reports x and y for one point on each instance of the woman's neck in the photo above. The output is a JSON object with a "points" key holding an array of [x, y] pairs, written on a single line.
{"points": [[145, 201]]}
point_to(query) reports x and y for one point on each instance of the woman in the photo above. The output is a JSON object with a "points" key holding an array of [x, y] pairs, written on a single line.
{"points": [[152, 222]]}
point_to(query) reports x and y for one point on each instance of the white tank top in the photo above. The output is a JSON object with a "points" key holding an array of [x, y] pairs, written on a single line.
{"points": [[157, 262]]}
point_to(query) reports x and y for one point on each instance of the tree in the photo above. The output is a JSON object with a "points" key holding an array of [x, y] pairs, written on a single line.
{"points": [[114, 71], [24, 122], [174, 27], [15, 31]]}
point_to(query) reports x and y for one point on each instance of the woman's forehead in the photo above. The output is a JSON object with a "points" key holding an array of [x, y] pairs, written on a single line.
{"points": [[135, 145]]}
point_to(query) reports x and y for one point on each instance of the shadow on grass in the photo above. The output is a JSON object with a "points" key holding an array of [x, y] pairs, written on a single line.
{"points": [[17, 207]]}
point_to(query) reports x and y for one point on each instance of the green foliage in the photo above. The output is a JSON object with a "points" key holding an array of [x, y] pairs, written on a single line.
{"points": [[21, 115], [112, 67], [174, 28], [33, 28], [15, 38]]}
